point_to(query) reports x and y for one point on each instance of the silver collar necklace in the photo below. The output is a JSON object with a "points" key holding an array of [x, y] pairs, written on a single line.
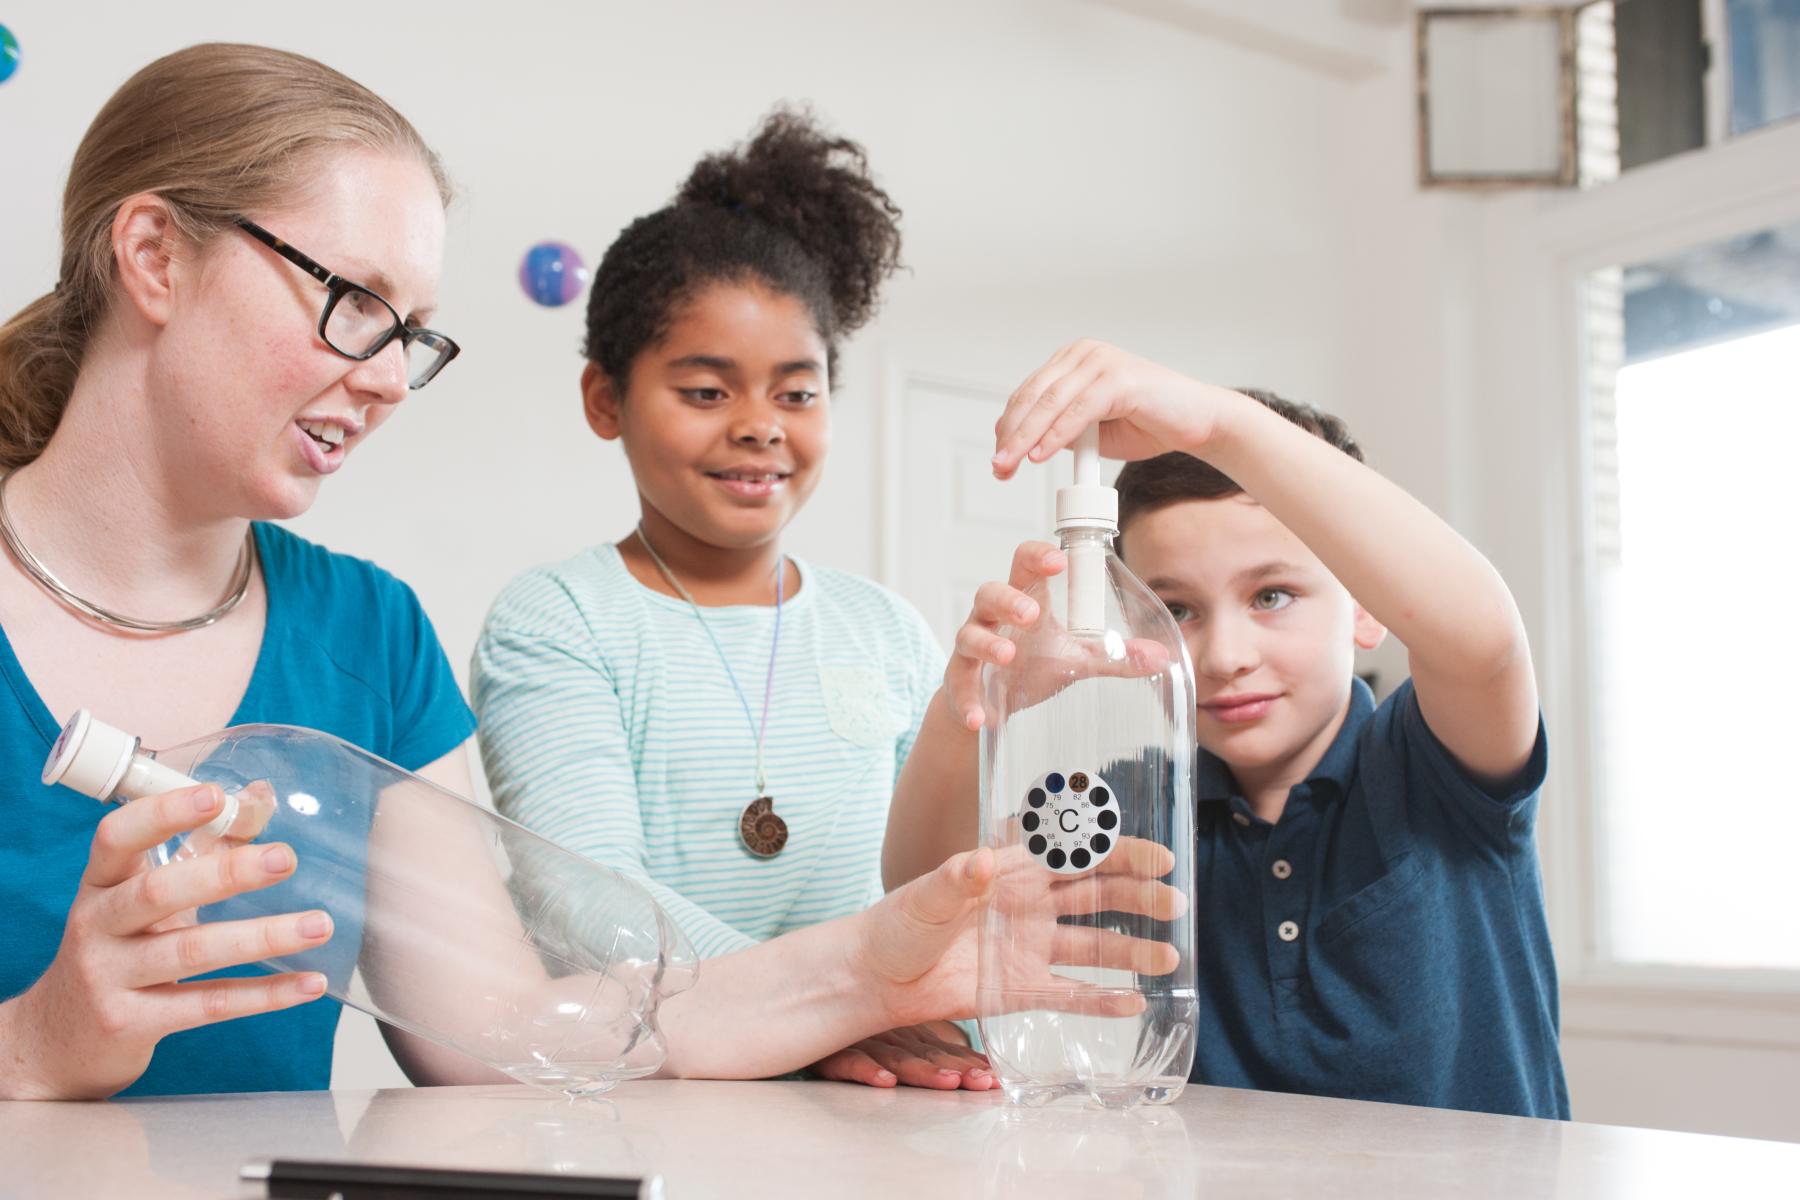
{"points": [[240, 583]]}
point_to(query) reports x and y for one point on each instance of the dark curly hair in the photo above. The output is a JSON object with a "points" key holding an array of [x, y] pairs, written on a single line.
{"points": [[793, 209], [1152, 483]]}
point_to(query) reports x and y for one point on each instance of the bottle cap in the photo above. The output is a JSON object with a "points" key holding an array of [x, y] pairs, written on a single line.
{"points": [[1087, 506], [90, 756], [1087, 503]]}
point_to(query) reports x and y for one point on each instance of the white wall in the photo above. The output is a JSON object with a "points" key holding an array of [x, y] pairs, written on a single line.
{"points": [[1065, 171]]}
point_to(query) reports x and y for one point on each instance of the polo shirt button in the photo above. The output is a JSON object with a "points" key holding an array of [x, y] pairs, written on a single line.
{"points": [[1240, 818], [1287, 931], [1282, 868]]}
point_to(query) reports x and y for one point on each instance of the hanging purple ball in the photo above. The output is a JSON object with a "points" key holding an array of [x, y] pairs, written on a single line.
{"points": [[552, 274]]}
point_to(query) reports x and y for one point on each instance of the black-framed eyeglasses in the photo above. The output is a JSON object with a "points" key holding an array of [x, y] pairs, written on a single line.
{"points": [[358, 323]]}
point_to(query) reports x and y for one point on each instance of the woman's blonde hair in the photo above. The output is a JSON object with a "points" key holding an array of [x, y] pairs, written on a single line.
{"points": [[214, 130]]}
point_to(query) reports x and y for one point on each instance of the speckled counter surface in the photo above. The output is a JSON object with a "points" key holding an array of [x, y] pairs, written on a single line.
{"points": [[794, 1139]]}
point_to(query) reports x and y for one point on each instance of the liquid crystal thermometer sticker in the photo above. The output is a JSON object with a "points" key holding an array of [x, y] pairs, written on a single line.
{"points": [[1070, 821]]}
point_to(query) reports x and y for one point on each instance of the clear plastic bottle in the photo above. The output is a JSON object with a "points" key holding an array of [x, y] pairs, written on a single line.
{"points": [[1087, 774], [450, 921]]}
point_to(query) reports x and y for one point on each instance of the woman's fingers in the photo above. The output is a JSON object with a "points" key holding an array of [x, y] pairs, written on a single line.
{"points": [[1088, 1000], [180, 1006], [1034, 986], [911, 929], [1138, 857], [1087, 946], [943, 897], [197, 949], [129, 831], [153, 896], [1114, 893]]}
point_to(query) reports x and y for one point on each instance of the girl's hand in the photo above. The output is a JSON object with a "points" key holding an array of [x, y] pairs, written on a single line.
{"points": [[935, 1054], [1142, 409], [87, 1028]]}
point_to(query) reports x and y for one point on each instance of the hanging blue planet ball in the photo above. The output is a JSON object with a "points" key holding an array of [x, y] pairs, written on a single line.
{"points": [[552, 274], [9, 54]]}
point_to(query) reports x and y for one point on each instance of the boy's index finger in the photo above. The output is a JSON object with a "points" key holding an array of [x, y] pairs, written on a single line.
{"points": [[1019, 406], [1035, 561], [129, 831]]}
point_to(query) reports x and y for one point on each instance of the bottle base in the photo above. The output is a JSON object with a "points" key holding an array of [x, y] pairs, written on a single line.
{"points": [[571, 1080], [1117, 1097]]}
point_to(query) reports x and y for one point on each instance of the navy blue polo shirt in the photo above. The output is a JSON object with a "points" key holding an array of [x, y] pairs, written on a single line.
{"points": [[1385, 939]]}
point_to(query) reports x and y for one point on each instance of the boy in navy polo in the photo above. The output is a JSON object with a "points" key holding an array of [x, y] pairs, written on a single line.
{"points": [[1373, 915]]}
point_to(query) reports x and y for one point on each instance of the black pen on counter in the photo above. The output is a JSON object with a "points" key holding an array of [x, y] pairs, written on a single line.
{"points": [[306, 1179]]}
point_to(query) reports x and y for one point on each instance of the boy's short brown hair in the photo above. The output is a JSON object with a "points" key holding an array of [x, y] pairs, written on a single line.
{"points": [[1169, 478]]}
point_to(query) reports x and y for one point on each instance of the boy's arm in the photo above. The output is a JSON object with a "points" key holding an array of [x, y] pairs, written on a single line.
{"points": [[1465, 640], [1470, 662], [934, 811], [936, 804]]}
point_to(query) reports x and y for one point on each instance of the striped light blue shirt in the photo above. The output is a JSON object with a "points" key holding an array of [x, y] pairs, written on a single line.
{"points": [[608, 724]]}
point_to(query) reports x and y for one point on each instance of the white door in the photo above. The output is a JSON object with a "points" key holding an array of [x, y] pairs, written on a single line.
{"points": [[951, 524]]}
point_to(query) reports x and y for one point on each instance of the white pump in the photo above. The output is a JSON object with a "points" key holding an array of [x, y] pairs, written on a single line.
{"points": [[1087, 505], [99, 761]]}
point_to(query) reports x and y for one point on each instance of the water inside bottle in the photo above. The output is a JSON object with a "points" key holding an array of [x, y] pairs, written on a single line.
{"points": [[1072, 1009]]}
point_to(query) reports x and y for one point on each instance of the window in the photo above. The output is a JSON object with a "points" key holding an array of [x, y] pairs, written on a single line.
{"points": [[1765, 61], [1695, 622], [1657, 78]]}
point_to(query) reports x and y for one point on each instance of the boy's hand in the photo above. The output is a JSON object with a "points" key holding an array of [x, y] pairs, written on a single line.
{"points": [[979, 641], [1060, 660], [1142, 409]]}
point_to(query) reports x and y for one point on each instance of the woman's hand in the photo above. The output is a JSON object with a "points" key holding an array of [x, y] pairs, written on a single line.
{"points": [[935, 1054], [916, 949], [1143, 409], [88, 1026]]}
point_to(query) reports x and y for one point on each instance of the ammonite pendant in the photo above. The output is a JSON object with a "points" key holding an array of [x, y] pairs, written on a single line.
{"points": [[762, 831]]}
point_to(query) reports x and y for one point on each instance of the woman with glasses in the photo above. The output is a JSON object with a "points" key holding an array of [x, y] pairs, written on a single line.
{"points": [[194, 375], [243, 298]]}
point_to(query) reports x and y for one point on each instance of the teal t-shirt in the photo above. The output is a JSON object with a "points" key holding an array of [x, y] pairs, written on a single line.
{"points": [[347, 650]]}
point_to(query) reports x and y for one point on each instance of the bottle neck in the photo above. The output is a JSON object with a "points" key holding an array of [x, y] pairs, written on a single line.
{"points": [[147, 777], [1087, 548], [1088, 538]]}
